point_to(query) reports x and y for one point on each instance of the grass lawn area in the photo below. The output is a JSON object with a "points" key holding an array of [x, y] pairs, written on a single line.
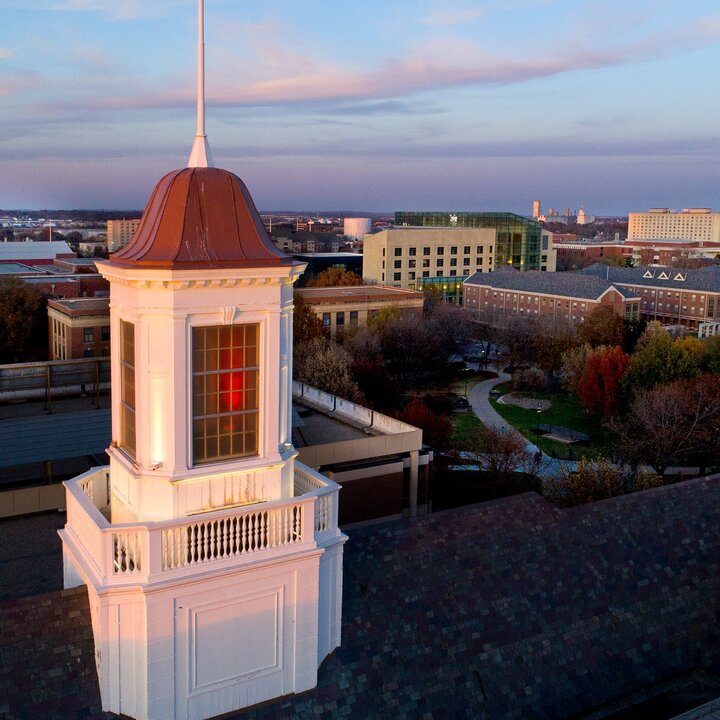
{"points": [[567, 411], [463, 426], [460, 386]]}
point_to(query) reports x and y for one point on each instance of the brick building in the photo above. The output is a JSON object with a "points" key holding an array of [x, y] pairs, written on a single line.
{"points": [[670, 295], [79, 328], [566, 297], [342, 307], [576, 252]]}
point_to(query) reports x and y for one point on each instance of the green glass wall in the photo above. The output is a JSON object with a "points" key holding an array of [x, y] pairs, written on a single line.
{"points": [[449, 288], [518, 239]]}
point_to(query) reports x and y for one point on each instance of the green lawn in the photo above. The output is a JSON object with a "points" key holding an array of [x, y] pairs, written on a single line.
{"points": [[567, 411], [463, 425]]}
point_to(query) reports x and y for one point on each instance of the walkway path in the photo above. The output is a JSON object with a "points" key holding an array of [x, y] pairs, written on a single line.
{"points": [[479, 398]]}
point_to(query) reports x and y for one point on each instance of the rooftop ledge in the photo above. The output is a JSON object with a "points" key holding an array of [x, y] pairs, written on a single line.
{"points": [[114, 554]]}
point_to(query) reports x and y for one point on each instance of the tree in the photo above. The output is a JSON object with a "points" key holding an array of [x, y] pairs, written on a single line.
{"points": [[599, 386], [23, 323], [573, 367], [592, 481], [436, 428], [335, 277], [306, 324], [502, 452], [416, 349], [323, 364], [659, 359], [647, 256], [550, 341], [603, 326], [517, 338], [673, 424]]}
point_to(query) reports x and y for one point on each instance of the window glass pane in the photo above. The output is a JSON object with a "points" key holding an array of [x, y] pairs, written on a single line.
{"points": [[127, 387], [225, 392]]}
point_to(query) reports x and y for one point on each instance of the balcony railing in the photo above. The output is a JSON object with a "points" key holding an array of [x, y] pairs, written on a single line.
{"points": [[142, 552]]}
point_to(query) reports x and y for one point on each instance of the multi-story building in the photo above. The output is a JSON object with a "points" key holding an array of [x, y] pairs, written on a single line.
{"points": [[517, 239], [79, 328], [671, 296], [699, 224], [583, 252], [421, 257], [667, 251], [566, 297], [347, 307], [120, 232]]}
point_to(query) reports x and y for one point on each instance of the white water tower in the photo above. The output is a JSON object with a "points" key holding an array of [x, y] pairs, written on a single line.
{"points": [[357, 228]]}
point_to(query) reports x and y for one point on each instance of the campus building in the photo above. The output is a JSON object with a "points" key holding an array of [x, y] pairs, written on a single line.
{"points": [[567, 297], [518, 239], [37, 252], [700, 224], [417, 258], [79, 328], [120, 233], [668, 251], [348, 307], [669, 295], [578, 252]]}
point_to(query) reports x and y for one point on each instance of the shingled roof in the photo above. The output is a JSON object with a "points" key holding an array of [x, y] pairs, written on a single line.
{"points": [[564, 284], [705, 279], [513, 610]]}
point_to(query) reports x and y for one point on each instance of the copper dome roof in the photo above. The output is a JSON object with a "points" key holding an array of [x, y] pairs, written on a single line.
{"points": [[200, 218]]}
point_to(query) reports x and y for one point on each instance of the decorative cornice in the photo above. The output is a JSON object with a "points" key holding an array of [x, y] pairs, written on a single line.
{"points": [[200, 284]]}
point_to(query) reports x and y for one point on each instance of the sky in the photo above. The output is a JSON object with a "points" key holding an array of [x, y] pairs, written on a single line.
{"points": [[377, 105]]}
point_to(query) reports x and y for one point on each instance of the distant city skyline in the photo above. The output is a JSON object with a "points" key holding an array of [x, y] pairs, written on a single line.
{"points": [[411, 105]]}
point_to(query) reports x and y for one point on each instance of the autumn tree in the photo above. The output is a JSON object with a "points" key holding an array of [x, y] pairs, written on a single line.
{"points": [[369, 370], [672, 424], [599, 385], [550, 341], [658, 359], [416, 349], [323, 364], [517, 339], [23, 323], [306, 324], [711, 354], [437, 429], [502, 452], [335, 277], [573, 363], [603, 326], [592, 481]]}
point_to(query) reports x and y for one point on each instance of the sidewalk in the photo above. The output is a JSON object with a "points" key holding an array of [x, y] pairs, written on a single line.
{"points": [[479, 398]]}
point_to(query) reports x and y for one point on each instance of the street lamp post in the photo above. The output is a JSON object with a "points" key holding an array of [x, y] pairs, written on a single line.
{"points": [[537, 428]]}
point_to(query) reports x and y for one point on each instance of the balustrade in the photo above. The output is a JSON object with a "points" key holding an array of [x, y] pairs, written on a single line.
{"points": [[135, 552]]}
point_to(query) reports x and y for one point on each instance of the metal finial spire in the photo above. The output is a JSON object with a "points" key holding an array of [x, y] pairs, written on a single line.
{"points": [[200, 155]]}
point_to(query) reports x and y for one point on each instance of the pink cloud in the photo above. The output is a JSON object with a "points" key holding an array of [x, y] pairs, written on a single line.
{"points": [[18, 83], [283, 76]]}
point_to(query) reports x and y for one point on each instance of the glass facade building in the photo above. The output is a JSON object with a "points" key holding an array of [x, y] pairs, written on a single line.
{"points": [[518, 240]]}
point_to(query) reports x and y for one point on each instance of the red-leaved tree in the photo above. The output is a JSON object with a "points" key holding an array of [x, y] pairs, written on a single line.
{"points": [[599, 386], [436, 428]]}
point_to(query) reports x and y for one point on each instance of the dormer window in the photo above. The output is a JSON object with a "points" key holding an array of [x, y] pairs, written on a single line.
{"points": [[225, 392]]}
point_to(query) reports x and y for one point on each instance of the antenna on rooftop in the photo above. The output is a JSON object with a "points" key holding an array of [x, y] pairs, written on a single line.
{"points": [[200, 155]]}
